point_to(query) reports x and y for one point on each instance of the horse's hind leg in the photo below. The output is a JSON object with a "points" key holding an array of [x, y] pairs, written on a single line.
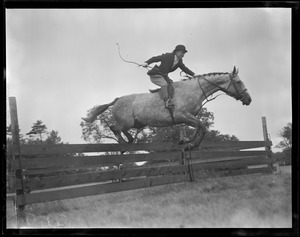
{"points": [[118, 132], [118, 135], [128, 135]]}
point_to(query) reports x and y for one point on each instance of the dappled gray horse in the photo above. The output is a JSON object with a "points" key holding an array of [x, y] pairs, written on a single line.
{"points": [[148, 109]]}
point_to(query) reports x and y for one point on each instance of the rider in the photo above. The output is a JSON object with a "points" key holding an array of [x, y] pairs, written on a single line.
{"points": [[169, 63]]}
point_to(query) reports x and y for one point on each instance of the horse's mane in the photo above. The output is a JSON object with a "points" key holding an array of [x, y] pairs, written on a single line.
{"points": [[214, 73], [210, 74]]}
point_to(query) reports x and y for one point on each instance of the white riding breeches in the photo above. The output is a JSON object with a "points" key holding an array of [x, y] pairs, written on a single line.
{"points": [[158, 80]]}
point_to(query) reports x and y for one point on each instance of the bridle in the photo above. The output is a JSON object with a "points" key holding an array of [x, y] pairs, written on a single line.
{"points": [[240, 94]]}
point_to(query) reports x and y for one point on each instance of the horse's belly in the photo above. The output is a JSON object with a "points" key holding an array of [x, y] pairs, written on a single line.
{"points": [[152, 112]]}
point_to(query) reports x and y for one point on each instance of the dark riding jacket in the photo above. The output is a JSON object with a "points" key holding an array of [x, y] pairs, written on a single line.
{"points": [[166, 66]]}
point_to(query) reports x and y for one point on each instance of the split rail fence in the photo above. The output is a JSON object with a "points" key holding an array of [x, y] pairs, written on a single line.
{"points": [[44, 173]]}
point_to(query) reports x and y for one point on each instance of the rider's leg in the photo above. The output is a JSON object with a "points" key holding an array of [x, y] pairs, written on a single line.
{"points": [[158, 80], [167, 88]]}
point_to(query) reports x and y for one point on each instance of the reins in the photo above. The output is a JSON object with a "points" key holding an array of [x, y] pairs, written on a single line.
{"points": [[206, 97]]}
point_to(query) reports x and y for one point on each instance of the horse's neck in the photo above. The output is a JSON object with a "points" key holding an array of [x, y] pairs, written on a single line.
{"points": [[213, 83]]}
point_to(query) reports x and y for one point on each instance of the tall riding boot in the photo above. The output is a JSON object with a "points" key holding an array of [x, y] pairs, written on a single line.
{"points": [[169, 101]]}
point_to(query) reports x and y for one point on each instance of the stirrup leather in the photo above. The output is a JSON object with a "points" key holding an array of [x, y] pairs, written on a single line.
{"points": [[169, 103]]}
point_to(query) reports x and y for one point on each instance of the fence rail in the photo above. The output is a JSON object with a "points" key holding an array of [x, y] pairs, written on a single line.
{"points": [[165, 146], [86, 161]]}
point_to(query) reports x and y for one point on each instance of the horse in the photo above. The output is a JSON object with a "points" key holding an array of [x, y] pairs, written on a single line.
{"points": [[148, 109]]}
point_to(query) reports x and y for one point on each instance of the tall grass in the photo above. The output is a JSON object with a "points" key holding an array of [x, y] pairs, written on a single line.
{"points": [[239, 202]]}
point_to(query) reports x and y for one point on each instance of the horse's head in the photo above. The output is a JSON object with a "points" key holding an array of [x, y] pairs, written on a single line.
{"points": [[237, 89]]}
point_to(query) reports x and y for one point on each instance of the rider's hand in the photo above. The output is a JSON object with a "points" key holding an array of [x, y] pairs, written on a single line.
{"points": [[144, 65]]}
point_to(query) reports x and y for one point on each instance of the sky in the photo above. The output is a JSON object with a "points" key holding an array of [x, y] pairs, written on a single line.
{"points": [[62, 62]]}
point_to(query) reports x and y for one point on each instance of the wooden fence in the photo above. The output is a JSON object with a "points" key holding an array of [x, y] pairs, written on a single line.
{"points": [[46, 173]]}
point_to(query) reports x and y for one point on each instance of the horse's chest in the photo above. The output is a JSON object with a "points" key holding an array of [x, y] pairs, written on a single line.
{"points": [[187, 103]]}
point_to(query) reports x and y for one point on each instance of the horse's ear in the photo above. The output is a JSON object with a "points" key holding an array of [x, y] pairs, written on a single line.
{"points": [[234, 70], [237, 71]]}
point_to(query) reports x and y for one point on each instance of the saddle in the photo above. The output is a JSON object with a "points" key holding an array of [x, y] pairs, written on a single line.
{"points": [[166, 94]]}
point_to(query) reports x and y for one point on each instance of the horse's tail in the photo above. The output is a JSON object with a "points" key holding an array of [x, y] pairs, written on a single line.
{"points": [[98, 110]]}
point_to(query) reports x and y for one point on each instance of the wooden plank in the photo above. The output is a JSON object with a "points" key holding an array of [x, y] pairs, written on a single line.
{"points": [[20, 208], [93, 177], [85, 161], [52, 170], [266, 138], [222, 159], [220, 154], [165, 146], [231, 164], [101, 189], [61, 170], [234, 145], [81, 148]]}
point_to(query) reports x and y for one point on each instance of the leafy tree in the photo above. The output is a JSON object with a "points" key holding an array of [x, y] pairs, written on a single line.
{"points": [[286, 134], [285, 156], [53, 138], [38, 129], [216, 136], [99, 130]]}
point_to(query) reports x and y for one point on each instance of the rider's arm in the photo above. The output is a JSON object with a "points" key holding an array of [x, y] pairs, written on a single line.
{"points": [[185, 69], [154, 59]]}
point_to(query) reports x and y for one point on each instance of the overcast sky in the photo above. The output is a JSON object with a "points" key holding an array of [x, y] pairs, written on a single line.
{"points": [[62, 62]]}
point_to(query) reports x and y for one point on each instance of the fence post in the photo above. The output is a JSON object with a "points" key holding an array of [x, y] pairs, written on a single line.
{"points": [[182, 133], [266, 139], [19, 195]]}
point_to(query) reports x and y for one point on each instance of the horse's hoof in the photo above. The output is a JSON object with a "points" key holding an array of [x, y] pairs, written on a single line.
{"points": [[190, 146], [183, 141], [187, 147]]}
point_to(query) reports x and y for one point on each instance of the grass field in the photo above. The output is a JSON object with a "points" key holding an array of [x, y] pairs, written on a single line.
{"points": [[255, 201]]}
